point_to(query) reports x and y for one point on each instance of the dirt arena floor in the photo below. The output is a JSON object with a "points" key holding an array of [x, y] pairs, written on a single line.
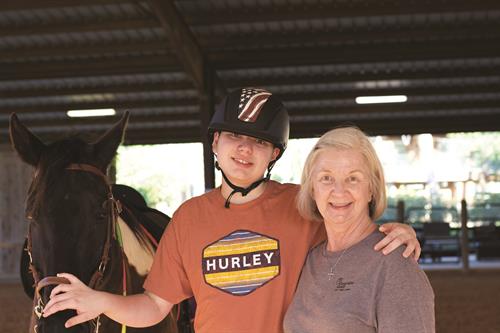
{"points": [[465, 303]]}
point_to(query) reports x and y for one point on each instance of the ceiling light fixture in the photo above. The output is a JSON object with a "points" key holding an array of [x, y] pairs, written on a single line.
{"points": [[91, 113], [381, 99]]}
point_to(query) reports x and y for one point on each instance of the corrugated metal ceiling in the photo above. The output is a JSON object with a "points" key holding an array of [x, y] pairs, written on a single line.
{"points": [[317, 55]]}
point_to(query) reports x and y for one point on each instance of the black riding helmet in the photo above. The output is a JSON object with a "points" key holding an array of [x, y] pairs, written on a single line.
{"points": [[256, 113]]}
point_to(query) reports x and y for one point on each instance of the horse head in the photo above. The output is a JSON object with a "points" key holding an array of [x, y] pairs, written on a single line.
{"points": [[68, 207]]}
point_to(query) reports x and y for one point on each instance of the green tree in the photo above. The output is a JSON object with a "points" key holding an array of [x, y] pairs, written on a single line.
{"points": [[482, 150]]}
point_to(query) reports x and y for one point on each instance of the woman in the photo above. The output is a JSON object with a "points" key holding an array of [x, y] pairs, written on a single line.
{"points": [[345, 285]]}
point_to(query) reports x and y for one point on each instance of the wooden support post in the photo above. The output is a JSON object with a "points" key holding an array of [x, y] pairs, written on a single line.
{"points": [[207, 106], [197, 66], [465, 237], [401, 211]]}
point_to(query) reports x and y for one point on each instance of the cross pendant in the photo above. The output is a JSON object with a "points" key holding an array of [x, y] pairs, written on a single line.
{"points": [[331, 275]]}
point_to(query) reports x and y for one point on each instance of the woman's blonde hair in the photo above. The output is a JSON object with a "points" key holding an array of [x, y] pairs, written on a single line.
{"points": [[343, 138]]}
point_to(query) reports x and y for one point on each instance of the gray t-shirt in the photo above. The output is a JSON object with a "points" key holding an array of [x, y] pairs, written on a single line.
{"points": [[369, 292]]}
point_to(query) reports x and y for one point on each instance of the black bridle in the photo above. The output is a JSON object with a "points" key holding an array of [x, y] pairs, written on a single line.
{"points": [[96, 280]]}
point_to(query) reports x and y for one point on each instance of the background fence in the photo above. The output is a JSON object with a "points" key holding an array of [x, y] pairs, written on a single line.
{"points": [[14, 181]]}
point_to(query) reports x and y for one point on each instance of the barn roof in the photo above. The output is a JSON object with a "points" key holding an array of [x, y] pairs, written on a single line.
{"points": [[167, 61]]}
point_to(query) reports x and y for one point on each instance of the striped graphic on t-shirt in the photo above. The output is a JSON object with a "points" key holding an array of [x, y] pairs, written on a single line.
{"points": [[241, 262]]}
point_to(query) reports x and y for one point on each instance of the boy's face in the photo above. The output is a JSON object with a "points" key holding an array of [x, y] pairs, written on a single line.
{"points": [[244, 159]]}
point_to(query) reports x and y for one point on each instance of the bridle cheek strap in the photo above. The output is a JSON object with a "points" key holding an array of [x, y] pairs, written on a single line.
{"points": [[115, 210]]}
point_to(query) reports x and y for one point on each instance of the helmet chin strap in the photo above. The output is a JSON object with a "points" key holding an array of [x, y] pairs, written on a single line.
{"points": [[244, 190]]}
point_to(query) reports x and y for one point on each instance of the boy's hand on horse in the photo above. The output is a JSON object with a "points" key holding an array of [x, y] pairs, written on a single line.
{"points": [[88, 303], [139, 310], [398, 234]]}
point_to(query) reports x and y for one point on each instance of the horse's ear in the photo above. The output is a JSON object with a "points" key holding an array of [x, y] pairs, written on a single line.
{"points": [[105, 147], [26, 144]]}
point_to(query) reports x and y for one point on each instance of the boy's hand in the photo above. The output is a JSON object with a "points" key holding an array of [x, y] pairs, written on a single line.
{"points": [[76, 296], [398, 234]]}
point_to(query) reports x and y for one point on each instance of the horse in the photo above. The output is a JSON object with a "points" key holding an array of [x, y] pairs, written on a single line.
{"points": [[75, 227]]}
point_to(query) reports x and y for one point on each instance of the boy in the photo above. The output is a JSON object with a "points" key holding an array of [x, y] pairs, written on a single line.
{"points": [[238, 249]]}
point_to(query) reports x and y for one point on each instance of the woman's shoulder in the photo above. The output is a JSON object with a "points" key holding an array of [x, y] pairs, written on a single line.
{"points": [[395, 264], [390, 260]]}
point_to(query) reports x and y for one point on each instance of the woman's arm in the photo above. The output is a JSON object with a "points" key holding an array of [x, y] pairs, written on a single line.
{"points": [[139, 310]]}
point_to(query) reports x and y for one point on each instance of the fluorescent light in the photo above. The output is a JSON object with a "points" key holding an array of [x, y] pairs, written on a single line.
{"points": [[381, 99], [91, 113]]}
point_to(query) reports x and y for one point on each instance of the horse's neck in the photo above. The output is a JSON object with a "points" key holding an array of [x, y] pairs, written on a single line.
{"points": [[139, 256]]}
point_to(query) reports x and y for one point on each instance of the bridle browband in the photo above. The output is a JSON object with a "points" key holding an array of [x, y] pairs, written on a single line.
{"points": [[96, 280]]}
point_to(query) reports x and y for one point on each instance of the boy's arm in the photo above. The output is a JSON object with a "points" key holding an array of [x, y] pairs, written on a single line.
{"points": [[139, 310], [398, 234]]}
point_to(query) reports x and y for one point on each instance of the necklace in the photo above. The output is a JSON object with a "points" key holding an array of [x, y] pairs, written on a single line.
{"points": [[331, 274], [332, 269]]}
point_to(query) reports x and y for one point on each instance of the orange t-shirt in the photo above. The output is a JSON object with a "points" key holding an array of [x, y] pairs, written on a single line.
{"points": [[241, 264]]}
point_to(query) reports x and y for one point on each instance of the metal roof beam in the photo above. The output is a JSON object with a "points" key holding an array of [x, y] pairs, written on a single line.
{"points": [[317, 94], [389, 52], [80, 27], [314, 110], [188, 50], [133, 135], [429, 124], [147, 103], [91, 90], [87, 67], [406, 109], [362, 76], [45, 4], [97, 49], [414, 34], [327, 10], [135, 118], [428, 91]]}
